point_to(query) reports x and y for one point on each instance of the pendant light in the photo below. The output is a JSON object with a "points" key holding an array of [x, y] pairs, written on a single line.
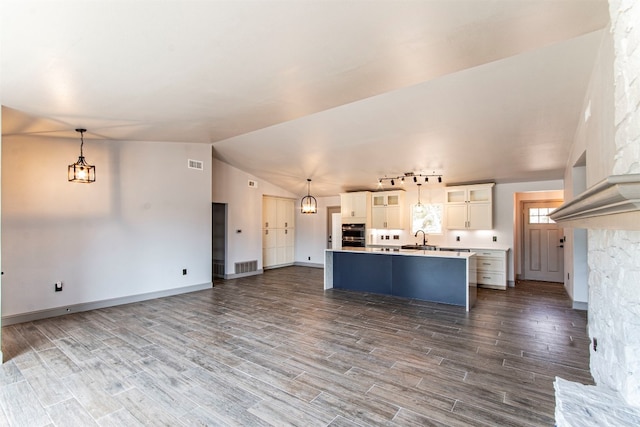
{"points": [[81, 171], [419, 207], [308, 204]]}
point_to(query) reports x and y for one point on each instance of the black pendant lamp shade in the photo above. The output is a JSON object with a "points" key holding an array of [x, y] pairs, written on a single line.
{"points": [[81, 171], [308, 204]]}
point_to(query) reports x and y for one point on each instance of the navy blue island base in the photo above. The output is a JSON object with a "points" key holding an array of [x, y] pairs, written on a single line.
{"points": [[424, 275]]}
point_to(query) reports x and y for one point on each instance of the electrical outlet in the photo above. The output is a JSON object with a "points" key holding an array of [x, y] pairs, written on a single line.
{"points": [[58, 287], [184, 271], [308, 258], [495, 238], [457, 238], [595, 344]]}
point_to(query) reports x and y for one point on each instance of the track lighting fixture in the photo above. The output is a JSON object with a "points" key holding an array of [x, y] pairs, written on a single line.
{"points": [[415, 176], [81, 171]]}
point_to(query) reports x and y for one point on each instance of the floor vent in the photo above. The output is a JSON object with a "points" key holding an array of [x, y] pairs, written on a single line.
{"points": [[195, 164], [246, 267], [218, 268]]}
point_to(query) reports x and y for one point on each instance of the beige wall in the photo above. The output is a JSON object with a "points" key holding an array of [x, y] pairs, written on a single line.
{"points": [[130, 233]]}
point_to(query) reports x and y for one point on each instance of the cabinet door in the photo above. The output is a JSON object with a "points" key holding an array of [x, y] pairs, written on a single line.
{"points": [[394, 217], [360, 205], [269, 257], [285, 208], [378, 217], [479, 194], [479, 216], [269, 249], [269, 212], [269, 238], [393, 199], [456, 196], [346, 206], [456, 216], [378, 200]]}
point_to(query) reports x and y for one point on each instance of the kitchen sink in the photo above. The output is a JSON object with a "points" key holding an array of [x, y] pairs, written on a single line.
{"points": [[420, 247]]}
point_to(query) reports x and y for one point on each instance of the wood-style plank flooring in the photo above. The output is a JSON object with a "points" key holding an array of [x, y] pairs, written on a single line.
{"points": [[276, 349]]}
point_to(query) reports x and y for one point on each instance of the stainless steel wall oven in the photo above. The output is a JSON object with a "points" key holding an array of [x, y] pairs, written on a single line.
{"points": [[353, 235]]}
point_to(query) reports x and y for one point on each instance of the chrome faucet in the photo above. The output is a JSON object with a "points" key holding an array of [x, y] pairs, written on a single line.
{"points": [[424, 237]]}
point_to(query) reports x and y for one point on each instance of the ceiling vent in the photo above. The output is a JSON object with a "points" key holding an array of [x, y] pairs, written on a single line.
{"points": [[195, 164]]}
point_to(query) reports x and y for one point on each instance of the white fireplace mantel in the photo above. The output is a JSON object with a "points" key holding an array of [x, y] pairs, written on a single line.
{"points": [[613, 203]]}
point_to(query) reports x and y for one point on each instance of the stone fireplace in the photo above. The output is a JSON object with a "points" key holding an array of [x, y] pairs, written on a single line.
{"points": [[609, 138]]}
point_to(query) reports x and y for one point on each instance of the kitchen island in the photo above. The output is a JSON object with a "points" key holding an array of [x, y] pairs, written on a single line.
{"points": [[444, 277]]}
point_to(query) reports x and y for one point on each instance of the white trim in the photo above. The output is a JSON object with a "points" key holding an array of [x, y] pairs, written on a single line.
{"points": [[616, 194], [308, 264], [60, 311]]}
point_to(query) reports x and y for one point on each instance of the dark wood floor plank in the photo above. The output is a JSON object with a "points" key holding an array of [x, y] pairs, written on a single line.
{"points": [[277, 349]]}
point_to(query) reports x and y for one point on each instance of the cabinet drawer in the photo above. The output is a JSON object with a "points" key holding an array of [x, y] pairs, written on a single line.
{"points": [[486, 278], [489, 253], [490, 264]]}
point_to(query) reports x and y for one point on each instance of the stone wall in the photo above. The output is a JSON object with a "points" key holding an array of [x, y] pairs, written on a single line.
{"points": [[614, 255]]}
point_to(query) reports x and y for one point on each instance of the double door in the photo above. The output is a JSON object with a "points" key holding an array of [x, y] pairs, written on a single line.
{"points": [[469, 207], [386, 210], [278, 231]]}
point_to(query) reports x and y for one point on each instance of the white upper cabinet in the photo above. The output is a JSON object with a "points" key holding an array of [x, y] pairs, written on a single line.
{"points": [[469, 207], [355, 208], [387, 210]]}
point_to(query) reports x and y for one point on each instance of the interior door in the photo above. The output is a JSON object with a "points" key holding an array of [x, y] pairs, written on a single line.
{"points": [[334, 224], [543, 243]]}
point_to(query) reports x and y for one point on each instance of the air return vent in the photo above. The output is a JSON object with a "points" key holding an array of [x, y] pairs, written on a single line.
{"points": [[195, 164], [246, 267]]}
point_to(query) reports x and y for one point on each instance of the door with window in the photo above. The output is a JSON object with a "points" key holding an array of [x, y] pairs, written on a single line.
{"points": [[543, 243]]}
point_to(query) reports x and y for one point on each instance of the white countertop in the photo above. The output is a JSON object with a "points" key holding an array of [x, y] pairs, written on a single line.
{"points": [[407, 252], [453, 246]]}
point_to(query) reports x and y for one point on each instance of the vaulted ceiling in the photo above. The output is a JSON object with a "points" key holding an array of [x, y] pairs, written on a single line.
{"points": [[343, 92]]}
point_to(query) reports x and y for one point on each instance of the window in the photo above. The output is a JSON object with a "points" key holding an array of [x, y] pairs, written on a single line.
{"points": [[540, 215], [427, 219]]}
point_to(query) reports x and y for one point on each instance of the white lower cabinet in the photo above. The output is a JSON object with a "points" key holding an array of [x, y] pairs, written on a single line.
{"points": [[492, 268]]}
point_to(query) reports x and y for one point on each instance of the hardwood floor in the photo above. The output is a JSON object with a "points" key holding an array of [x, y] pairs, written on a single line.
{"points": [[276, 349]]}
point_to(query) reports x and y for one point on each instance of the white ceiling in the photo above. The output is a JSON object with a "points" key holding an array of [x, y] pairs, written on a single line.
{"points": [[343, 92]]}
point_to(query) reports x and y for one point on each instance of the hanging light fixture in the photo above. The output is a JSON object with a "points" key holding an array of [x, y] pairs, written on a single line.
{"points": [[81, 171], [308, 204], [419, 207]]}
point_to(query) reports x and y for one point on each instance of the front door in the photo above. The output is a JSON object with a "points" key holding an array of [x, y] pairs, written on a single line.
{"points": [[543, 243]]}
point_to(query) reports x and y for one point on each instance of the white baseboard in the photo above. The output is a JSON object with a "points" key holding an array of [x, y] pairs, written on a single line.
{"points": [[309, 264], [580, 305], [59, 311]]}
